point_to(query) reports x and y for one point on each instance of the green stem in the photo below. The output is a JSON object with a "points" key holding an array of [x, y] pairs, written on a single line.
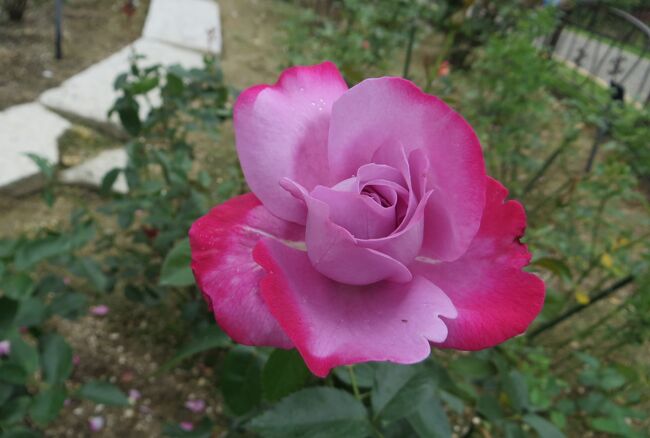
{"points": [[598, 222], [444, 54], [353, 381], [574, 310], [591, 328], [409, 52], [547, 164], [533, 211]]}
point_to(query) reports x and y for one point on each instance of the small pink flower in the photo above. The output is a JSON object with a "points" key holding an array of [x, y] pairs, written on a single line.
{"points": [[67, 281], [76, 360], [127, 376], [444, 69], [365, 44], [96, 423], [196, 405], [187, 426], [134, 395], [5, 348], [372, 234], [67, 402], [100, 310]]}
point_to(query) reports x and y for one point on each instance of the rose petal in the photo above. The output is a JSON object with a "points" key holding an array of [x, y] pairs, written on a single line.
{"points": [[495, 299], [334, 252], [195, 405], [96, 423], [389, 112], [222, 242], [134, 395], [100, 310], [361, 216], [405, 243], [5, 348], [282, 130], [333, 324]]}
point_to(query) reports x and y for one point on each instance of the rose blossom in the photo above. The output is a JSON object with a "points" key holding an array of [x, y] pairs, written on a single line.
{"points": [[96, 423], [100, 310], [372, 231], [5, 348], [195, 405]]}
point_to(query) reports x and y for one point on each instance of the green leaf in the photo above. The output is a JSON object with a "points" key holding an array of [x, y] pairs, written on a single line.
{"points": [[363, 372], [128, 110], [514, 430], [32, 252], [488, 405], [473, 367], [69, 305], [12, 373], [18, 286], [93, 272], [47, 404], [23, 354], [430, 419], [176, 269], [46, 168], [454, 403], [8, 310], [5, 392], [174, 85], [611, 379], [7, 247], [12, 413], [57, 358], [399, 390], [555, 266], [314, 412], [144, 85], [30, 313], [21, 432], [241, 379], [80, 236], [51, 284], [109, 179], [207, 339], [543, 427], [285, 372], [614, 425], [104, 393], [517, 390]]}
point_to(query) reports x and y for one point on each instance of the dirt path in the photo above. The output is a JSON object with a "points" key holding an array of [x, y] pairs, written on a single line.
{"points": [[92, 30]]}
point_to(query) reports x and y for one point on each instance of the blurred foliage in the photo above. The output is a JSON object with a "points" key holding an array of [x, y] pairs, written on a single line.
{"points": [[43, 277], [586, 230]]}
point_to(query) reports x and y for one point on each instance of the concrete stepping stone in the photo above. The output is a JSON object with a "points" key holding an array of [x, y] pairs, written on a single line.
{"points": [[89, 95], [193, 24], [27, 128], [91, 172]]}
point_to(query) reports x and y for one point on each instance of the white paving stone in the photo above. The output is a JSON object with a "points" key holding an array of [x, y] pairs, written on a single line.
{"points": [[23, 129], [89, 95], [193, 24], [91, 172]]}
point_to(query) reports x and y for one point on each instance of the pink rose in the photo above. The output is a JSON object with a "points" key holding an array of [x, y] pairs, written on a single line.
{"points": [[372, 231], [5, 348], [100, 310]]}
